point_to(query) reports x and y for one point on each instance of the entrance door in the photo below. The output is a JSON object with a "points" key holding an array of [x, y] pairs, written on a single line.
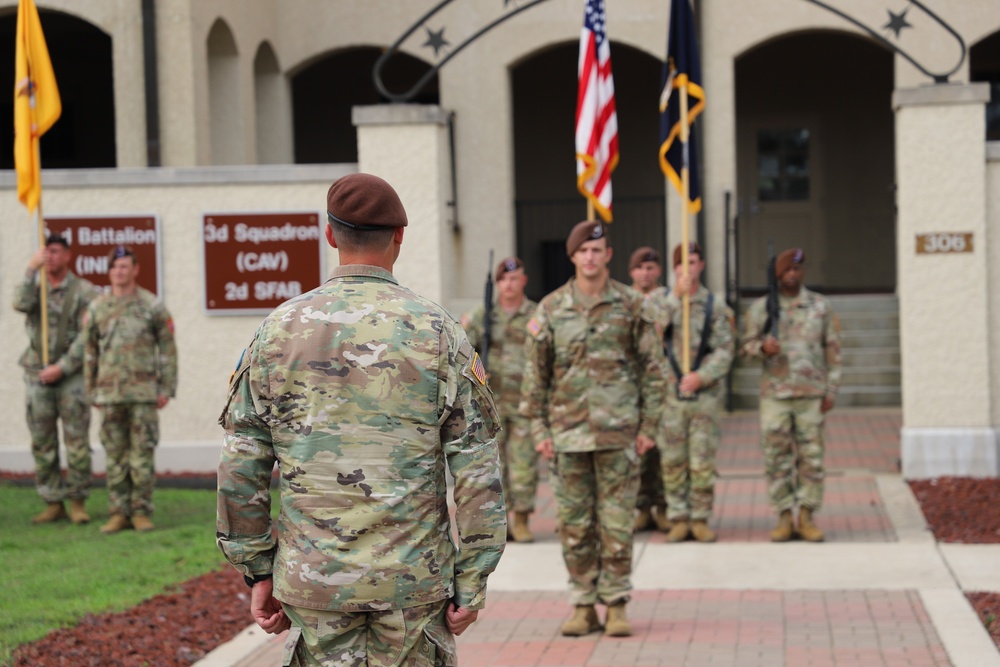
{"points": [[780, 194]]}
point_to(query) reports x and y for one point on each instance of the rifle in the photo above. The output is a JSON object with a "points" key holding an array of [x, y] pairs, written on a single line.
{"points": [[488, 317], [773, 311]]}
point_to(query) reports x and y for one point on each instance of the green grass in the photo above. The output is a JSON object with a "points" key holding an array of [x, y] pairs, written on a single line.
{"points": [[55, 574]]}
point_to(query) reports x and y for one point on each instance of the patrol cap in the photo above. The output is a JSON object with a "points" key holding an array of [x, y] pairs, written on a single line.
{"points": [[588, 230], [120, 251], [786, 259], [692, 248], [364, 202], [643, 254], [507, 265], [57, 238]]}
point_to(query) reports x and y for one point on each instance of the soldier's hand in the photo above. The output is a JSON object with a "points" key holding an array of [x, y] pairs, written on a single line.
{"points": [[545, 449], [771, 346], [161, 402], [643, 443], [267, 611], [458, 619], [690, 383], [37, 260], [827, 404], [50, 374]]}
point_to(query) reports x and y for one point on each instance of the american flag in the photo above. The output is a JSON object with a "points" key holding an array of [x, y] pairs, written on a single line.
{"points": [[596, 120]]}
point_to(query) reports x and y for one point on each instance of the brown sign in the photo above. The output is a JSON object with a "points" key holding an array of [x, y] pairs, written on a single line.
{"points": [[256, 261], [940, 243], [91, 239]]}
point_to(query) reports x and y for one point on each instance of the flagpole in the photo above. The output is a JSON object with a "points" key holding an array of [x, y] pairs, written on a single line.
{"points": [[590, 209], [43, 276], [685, 236]]}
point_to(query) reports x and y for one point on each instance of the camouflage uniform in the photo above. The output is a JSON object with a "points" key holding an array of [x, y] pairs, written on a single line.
{"points": [[691, 429], [792, 387], [65, 400], [131, 360], [650, 467], [508, 332], [364, 394], [593, 383]]}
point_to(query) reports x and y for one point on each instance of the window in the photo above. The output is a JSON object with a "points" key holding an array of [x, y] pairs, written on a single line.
{"points": [[783, 165]]}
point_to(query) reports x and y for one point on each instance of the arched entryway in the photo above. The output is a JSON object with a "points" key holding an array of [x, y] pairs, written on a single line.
{"points": [[84, 136], [815, 160], [984, 65], [548, 204]]}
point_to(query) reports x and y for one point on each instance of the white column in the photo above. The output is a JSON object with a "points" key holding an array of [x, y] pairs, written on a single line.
{"points": [[944, 296]]}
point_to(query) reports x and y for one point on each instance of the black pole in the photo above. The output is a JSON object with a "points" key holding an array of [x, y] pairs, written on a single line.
{"points": [[152, 87]]}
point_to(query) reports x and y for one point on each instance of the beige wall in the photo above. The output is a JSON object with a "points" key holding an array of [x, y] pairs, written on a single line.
{"points": [[993, 272]]}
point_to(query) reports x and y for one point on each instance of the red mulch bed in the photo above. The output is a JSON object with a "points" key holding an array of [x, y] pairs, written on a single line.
{"points": [[180, 627]]}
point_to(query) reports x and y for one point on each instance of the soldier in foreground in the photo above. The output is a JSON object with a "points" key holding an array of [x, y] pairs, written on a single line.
{"points": [[801, 375], [645, 270], [508, 331], [55, 391], [691, 427], [130, 373], [593, 388], [364, 394]]}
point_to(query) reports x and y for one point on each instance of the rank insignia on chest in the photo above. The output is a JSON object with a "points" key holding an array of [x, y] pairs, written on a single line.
{"points": [[478, 370]]}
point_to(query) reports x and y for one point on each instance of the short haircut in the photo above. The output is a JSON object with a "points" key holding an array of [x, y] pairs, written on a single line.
{"points": [[362, 239]]}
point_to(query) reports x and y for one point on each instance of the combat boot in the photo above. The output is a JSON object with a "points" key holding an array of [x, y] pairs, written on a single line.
{"points": [[521, 531], [583, 622], [783, 531], [617, 625], [116, 523], [702, 532], [77, 511], [808, 531], [679, 531], [663, 524], [643, 520], [53, 512], [142, 523]]}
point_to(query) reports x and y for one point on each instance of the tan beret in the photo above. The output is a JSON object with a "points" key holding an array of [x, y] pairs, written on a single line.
{"points": [[692, 248], [507, 265], [643, 254], [588, 230], [786, 259], [364, 202]]}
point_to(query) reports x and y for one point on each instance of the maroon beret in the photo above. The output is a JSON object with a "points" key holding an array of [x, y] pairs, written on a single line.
{"points": [[692, 248], [364, 202], [786, 259], [506, 265], [588, 230], [643, 254]]}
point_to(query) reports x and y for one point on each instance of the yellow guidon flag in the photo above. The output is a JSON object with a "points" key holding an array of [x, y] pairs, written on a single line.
{"points": [[37, 105]]}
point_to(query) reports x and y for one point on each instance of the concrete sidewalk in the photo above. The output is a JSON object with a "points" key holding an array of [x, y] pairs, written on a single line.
{"points": [[880, 591]]}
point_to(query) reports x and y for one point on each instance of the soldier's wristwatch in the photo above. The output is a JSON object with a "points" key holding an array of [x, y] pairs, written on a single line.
{"points": [[250, 581]]}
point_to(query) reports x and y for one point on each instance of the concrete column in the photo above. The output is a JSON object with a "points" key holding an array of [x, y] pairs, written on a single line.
{"points": [[944, 296], [407, 145]]}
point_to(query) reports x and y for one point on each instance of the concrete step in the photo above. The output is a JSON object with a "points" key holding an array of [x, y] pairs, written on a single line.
{"points": [[866, 320], [747, 379], [854, 397], [869, 339]]}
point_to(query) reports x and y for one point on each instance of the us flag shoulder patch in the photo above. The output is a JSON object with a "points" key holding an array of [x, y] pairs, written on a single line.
{"points": [[534, 327], [478, 370]]}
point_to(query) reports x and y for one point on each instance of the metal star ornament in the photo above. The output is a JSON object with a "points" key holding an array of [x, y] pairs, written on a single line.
{"points": [[897, 22], [436, 40]]}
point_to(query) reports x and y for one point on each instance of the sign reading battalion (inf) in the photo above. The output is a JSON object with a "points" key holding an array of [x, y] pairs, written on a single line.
{"points": [[91, 239], [256, 261]]}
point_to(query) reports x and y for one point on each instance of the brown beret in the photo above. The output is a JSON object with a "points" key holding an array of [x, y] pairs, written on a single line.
{"points": [[588, 230], [364, 202], [786, 259], [643, 254], [692, 248], [505, 265]]}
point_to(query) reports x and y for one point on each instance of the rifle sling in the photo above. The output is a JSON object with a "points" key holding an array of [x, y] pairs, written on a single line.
{"points": [[703, 349]]}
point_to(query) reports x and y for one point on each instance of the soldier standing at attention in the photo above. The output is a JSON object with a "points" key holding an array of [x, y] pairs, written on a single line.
{"points": [[365, 395], [131, 372], [593, 388], [691, 428], [798, 387], [55, 392], [508, 332], [645, 270]]}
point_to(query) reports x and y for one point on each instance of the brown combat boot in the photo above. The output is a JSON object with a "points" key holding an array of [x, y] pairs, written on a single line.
{"points": [[783, 531], [663, 524], [77, 511], [521, 531], [583, 622], [808, 531], [617, 625], [643, 520], [702, 532], [142, 523], [53, 512], [116, 523], [679, 531]]}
